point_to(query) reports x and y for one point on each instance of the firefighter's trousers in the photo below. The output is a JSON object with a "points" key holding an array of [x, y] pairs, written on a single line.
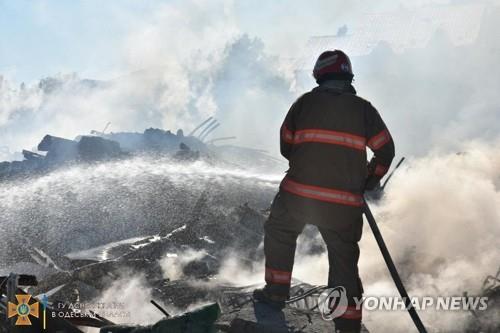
{"points": [[341, 232]]}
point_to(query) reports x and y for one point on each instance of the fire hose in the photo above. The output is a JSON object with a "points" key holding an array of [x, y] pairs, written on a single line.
{"points": [[392, 269]]}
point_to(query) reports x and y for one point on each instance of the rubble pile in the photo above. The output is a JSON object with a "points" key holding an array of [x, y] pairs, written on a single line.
{"points": [[81, 277], [60, 152], [55, 152], [487, 321], [81, 245]]}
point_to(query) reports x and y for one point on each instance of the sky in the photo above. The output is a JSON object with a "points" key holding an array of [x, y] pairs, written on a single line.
{"points": [[43, 37]]}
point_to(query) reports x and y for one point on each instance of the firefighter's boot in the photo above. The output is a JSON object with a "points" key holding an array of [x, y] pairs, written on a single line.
{"points": [[264, 296]]}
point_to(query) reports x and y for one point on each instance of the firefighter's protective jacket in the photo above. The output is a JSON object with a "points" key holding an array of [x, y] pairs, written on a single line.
{"points": [[324, 137]]}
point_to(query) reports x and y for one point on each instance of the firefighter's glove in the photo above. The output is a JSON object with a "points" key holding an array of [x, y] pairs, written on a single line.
{"points": [[372, 183]]}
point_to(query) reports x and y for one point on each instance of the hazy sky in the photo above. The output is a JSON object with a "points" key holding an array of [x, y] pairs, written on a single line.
{"points": [[43, 37]]}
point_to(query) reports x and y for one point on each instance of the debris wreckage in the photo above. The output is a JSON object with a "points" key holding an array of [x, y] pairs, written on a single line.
{"points": [[60, 284], [55, 152], [62, 152], [227, 308]]}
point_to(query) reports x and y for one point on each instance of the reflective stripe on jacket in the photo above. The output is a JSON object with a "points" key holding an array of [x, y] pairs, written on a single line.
{"points": [[324, 137]]}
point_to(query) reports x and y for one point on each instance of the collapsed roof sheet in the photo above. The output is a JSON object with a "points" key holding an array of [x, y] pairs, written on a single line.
{"points": [[402, 30]]}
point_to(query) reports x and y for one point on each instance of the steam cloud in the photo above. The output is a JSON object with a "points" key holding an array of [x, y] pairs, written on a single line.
{"points": [[173, 264], [132, 297], [441, 231]]}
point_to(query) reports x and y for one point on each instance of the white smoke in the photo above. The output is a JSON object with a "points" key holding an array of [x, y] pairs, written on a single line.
{"points": [[185, 61], [166, 53], [441, 222], [129, 298], [173, 264], [13, 98], [233, 272]]}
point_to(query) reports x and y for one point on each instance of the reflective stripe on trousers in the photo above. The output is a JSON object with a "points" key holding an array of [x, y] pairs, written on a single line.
{"points": [[275, 276], [351, 312]]}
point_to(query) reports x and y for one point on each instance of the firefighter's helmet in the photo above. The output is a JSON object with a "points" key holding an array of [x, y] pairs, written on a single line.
{"points": [[333, 65]]}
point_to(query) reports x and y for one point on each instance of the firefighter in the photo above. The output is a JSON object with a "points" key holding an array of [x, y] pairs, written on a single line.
{"points": [[324, 137]]}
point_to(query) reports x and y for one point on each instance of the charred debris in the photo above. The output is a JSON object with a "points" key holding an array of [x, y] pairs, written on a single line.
{"points": [[54, 152], [79, 278]]}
